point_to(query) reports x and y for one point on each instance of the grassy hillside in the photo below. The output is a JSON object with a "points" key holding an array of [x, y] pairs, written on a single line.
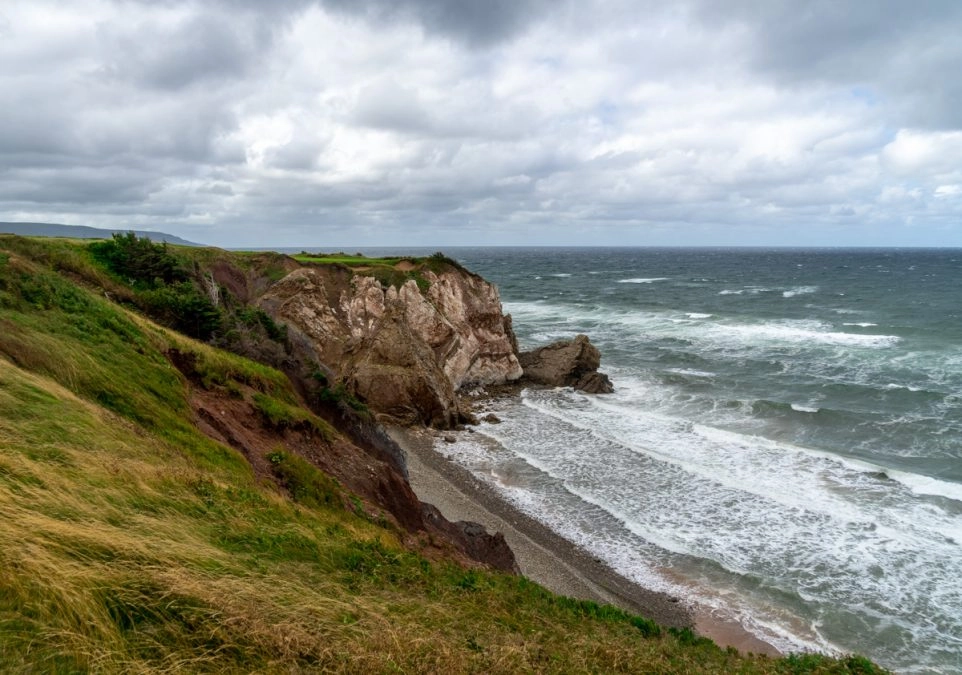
{"points": [[82, 232], [132, 542]]}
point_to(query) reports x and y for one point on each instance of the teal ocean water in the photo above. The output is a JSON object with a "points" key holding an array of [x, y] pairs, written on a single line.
{"points": [[784, 444]]}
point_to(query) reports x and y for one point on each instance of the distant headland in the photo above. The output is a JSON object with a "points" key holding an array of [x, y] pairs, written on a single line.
{"points": [[85, 232]]}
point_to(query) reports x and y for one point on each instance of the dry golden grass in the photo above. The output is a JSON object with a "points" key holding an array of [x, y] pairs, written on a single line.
{"points": [[129, 542]]}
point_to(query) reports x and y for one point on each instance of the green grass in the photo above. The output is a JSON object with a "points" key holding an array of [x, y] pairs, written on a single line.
{"points": [[131, 542], [349, 260], [281, 415], [305, 483], [382, 269]]}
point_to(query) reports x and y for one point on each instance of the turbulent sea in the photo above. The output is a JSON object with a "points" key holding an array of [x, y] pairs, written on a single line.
{"points": [[784, 444]]}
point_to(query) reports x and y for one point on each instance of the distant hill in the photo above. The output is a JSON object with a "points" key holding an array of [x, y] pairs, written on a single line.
{"points": [[84, 232]]}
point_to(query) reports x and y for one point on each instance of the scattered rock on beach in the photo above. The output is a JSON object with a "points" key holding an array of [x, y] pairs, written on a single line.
{"points": [[594, 383], [491, 418], [475, 541], [567, 363]]}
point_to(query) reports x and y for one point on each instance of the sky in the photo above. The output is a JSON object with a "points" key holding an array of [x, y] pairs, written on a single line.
{"points": [[339, 123]]}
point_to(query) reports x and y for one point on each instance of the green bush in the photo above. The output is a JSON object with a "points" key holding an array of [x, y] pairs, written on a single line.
{"points": [[255, 316], [182, 307], [162, 286], [338, 394], [138, 260], [438, 262]]}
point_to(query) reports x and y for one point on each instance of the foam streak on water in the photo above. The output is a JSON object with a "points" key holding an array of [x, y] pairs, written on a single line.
{"points": [[784, 443]]}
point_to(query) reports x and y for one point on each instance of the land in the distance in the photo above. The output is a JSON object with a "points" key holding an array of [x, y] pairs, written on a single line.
{"points": [[84, 232]]}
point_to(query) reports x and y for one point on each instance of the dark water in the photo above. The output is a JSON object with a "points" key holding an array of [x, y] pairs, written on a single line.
{"points": [[785, 441]]}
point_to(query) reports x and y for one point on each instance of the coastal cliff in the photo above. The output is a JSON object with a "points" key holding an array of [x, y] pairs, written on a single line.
{"points": [[189, 489], [405, 349]]}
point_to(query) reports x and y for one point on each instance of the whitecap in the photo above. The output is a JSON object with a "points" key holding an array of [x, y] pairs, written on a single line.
{"points": [[704, 488], [906, 387], [698, 315], [691, 372], [861, 324], [807, 332], [804, 408], [926, 485], [800, 290], [730, 292], [642, 280]]}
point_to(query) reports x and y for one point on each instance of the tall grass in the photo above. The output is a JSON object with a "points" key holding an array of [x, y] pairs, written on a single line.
{"points": [[130, 542]]}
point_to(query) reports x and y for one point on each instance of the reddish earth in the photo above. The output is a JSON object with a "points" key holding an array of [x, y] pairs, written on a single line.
{"points": [[383, 490]]}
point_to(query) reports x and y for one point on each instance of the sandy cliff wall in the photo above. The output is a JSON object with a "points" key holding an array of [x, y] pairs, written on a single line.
{"points": [[404, 350]]}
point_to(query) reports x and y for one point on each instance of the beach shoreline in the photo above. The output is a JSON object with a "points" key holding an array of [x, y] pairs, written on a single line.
{"points": [[548, 558]]}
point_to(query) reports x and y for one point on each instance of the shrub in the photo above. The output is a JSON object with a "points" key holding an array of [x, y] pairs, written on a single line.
{"points": [[182, 307], [339, 394], [255, 316], [138, 260]]}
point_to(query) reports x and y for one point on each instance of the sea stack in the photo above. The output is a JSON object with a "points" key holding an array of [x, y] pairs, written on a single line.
{"points": [[567, 363]]}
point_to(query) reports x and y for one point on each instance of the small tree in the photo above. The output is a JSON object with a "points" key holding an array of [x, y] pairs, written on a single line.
{"points": [[139, 260]]}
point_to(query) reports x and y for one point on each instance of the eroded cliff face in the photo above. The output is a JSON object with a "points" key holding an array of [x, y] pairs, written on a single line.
{"points": [[405, 351]]}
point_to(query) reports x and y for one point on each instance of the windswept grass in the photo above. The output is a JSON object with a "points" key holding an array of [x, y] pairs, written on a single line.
{"points": [[349, 260], [61, 255], [305, 483], [281, 415], [130, 542], [215, 367]]}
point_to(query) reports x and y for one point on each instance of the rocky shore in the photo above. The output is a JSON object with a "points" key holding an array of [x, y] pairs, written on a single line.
{"points": [[546, 557], [421, 348]]}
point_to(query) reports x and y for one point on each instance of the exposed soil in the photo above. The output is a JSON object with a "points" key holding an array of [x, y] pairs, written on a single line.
{"points": [[385, 493]]}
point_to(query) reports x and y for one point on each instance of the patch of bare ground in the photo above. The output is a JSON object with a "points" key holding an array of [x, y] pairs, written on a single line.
{"points": [[383, 494]]}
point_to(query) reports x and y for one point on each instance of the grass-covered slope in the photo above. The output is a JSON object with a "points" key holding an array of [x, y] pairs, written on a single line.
{"points": [[131, 542]]}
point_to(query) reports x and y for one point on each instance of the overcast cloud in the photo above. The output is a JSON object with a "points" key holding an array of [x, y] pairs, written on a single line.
{"points": [[343, 123]]}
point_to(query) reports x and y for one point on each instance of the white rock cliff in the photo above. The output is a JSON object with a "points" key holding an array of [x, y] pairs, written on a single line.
{"points": [[402, 350]]}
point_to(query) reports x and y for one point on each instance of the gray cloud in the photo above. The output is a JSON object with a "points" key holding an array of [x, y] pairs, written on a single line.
{"points": [[194, 50], [424, 121], [475, 23], [908, 53]]}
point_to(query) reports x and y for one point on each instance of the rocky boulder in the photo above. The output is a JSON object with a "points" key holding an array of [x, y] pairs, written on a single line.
{"points": [[474, 540], [567, 363]]}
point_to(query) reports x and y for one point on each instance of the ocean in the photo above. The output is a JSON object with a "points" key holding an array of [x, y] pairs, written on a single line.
{"points": [[784, 444]]}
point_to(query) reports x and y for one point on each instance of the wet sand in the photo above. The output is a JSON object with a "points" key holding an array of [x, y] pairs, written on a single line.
{"points": [[546, 557]]}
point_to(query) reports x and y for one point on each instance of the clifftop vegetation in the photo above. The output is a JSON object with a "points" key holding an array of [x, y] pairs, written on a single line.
{"points": [[132, 540]]}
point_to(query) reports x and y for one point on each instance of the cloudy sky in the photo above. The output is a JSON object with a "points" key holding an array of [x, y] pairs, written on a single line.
{"points": [[444, 122]]}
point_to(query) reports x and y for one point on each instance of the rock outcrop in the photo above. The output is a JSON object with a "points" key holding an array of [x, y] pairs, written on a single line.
{"points": [[474, 540], [403, 350], [567, 363]]}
